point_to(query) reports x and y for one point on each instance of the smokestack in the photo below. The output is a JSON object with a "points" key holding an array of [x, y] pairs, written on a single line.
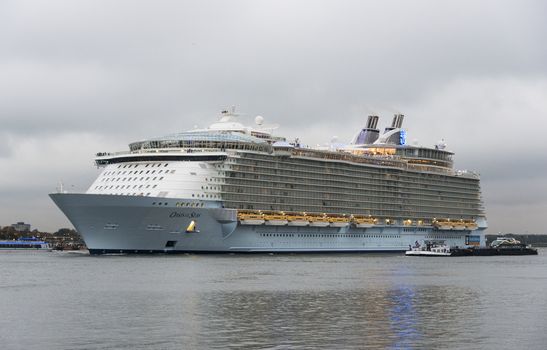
{"points": [[372, 121], [398, 137], [397, 122], [370, 133]]}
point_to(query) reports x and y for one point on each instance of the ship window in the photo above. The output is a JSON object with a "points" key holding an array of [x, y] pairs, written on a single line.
{"points": [[166, 164], [159, 172], [146, 166], [154, 186]]}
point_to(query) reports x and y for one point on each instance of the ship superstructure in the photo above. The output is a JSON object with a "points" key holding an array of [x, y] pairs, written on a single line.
{"points": [[242, 189]]}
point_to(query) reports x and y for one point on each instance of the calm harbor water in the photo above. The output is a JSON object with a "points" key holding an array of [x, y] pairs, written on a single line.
{"points": [[51, 300]]}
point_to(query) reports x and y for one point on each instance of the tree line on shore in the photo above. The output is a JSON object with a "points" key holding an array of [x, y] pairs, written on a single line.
{"points": [[63, 238]]}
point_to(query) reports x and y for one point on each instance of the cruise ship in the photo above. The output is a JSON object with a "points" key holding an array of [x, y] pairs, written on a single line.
{"points": [[238, 188]]}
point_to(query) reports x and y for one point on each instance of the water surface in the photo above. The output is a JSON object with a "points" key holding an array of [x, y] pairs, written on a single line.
{"points": [[345, 301]]}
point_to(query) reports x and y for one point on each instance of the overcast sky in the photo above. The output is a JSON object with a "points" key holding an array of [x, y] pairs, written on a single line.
{"points": [[79, 77]]}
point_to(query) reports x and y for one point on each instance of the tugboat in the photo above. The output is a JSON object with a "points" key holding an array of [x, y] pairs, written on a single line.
{"points": [[430, 248], [501, 246]]}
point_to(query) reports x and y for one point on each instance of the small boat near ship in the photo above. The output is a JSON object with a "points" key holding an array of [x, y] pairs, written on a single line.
{"points": [[25, 243], [430, 248], [501, 246]]}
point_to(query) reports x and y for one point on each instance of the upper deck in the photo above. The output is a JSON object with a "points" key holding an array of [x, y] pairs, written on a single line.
{"points": [[228, 136]]}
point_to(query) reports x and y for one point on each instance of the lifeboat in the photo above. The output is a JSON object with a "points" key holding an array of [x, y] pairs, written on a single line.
{"points": [[459, 226], [471, 225], [363, 222], [443, 224], [319, 221], [250, 218], [338, 221], [275, 219], [298, 220]]}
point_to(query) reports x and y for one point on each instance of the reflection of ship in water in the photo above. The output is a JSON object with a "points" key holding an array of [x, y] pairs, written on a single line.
{"points": [[378, 318]]}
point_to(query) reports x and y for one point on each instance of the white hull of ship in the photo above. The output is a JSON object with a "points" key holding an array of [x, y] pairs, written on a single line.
{"points": [[128, 224]]}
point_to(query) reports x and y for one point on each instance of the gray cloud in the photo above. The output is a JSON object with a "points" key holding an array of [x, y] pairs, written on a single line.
{"points": [[87, 76]]}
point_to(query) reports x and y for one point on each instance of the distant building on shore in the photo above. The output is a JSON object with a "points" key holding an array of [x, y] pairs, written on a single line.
{"points": [[21, 227]]}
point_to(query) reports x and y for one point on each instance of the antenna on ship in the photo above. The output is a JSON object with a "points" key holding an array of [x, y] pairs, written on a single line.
{"points": [[259, 121], [440, 145], [60, 187]]}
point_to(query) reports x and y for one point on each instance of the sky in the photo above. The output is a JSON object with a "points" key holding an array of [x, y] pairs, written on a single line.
{"points": [[81, 77]]}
